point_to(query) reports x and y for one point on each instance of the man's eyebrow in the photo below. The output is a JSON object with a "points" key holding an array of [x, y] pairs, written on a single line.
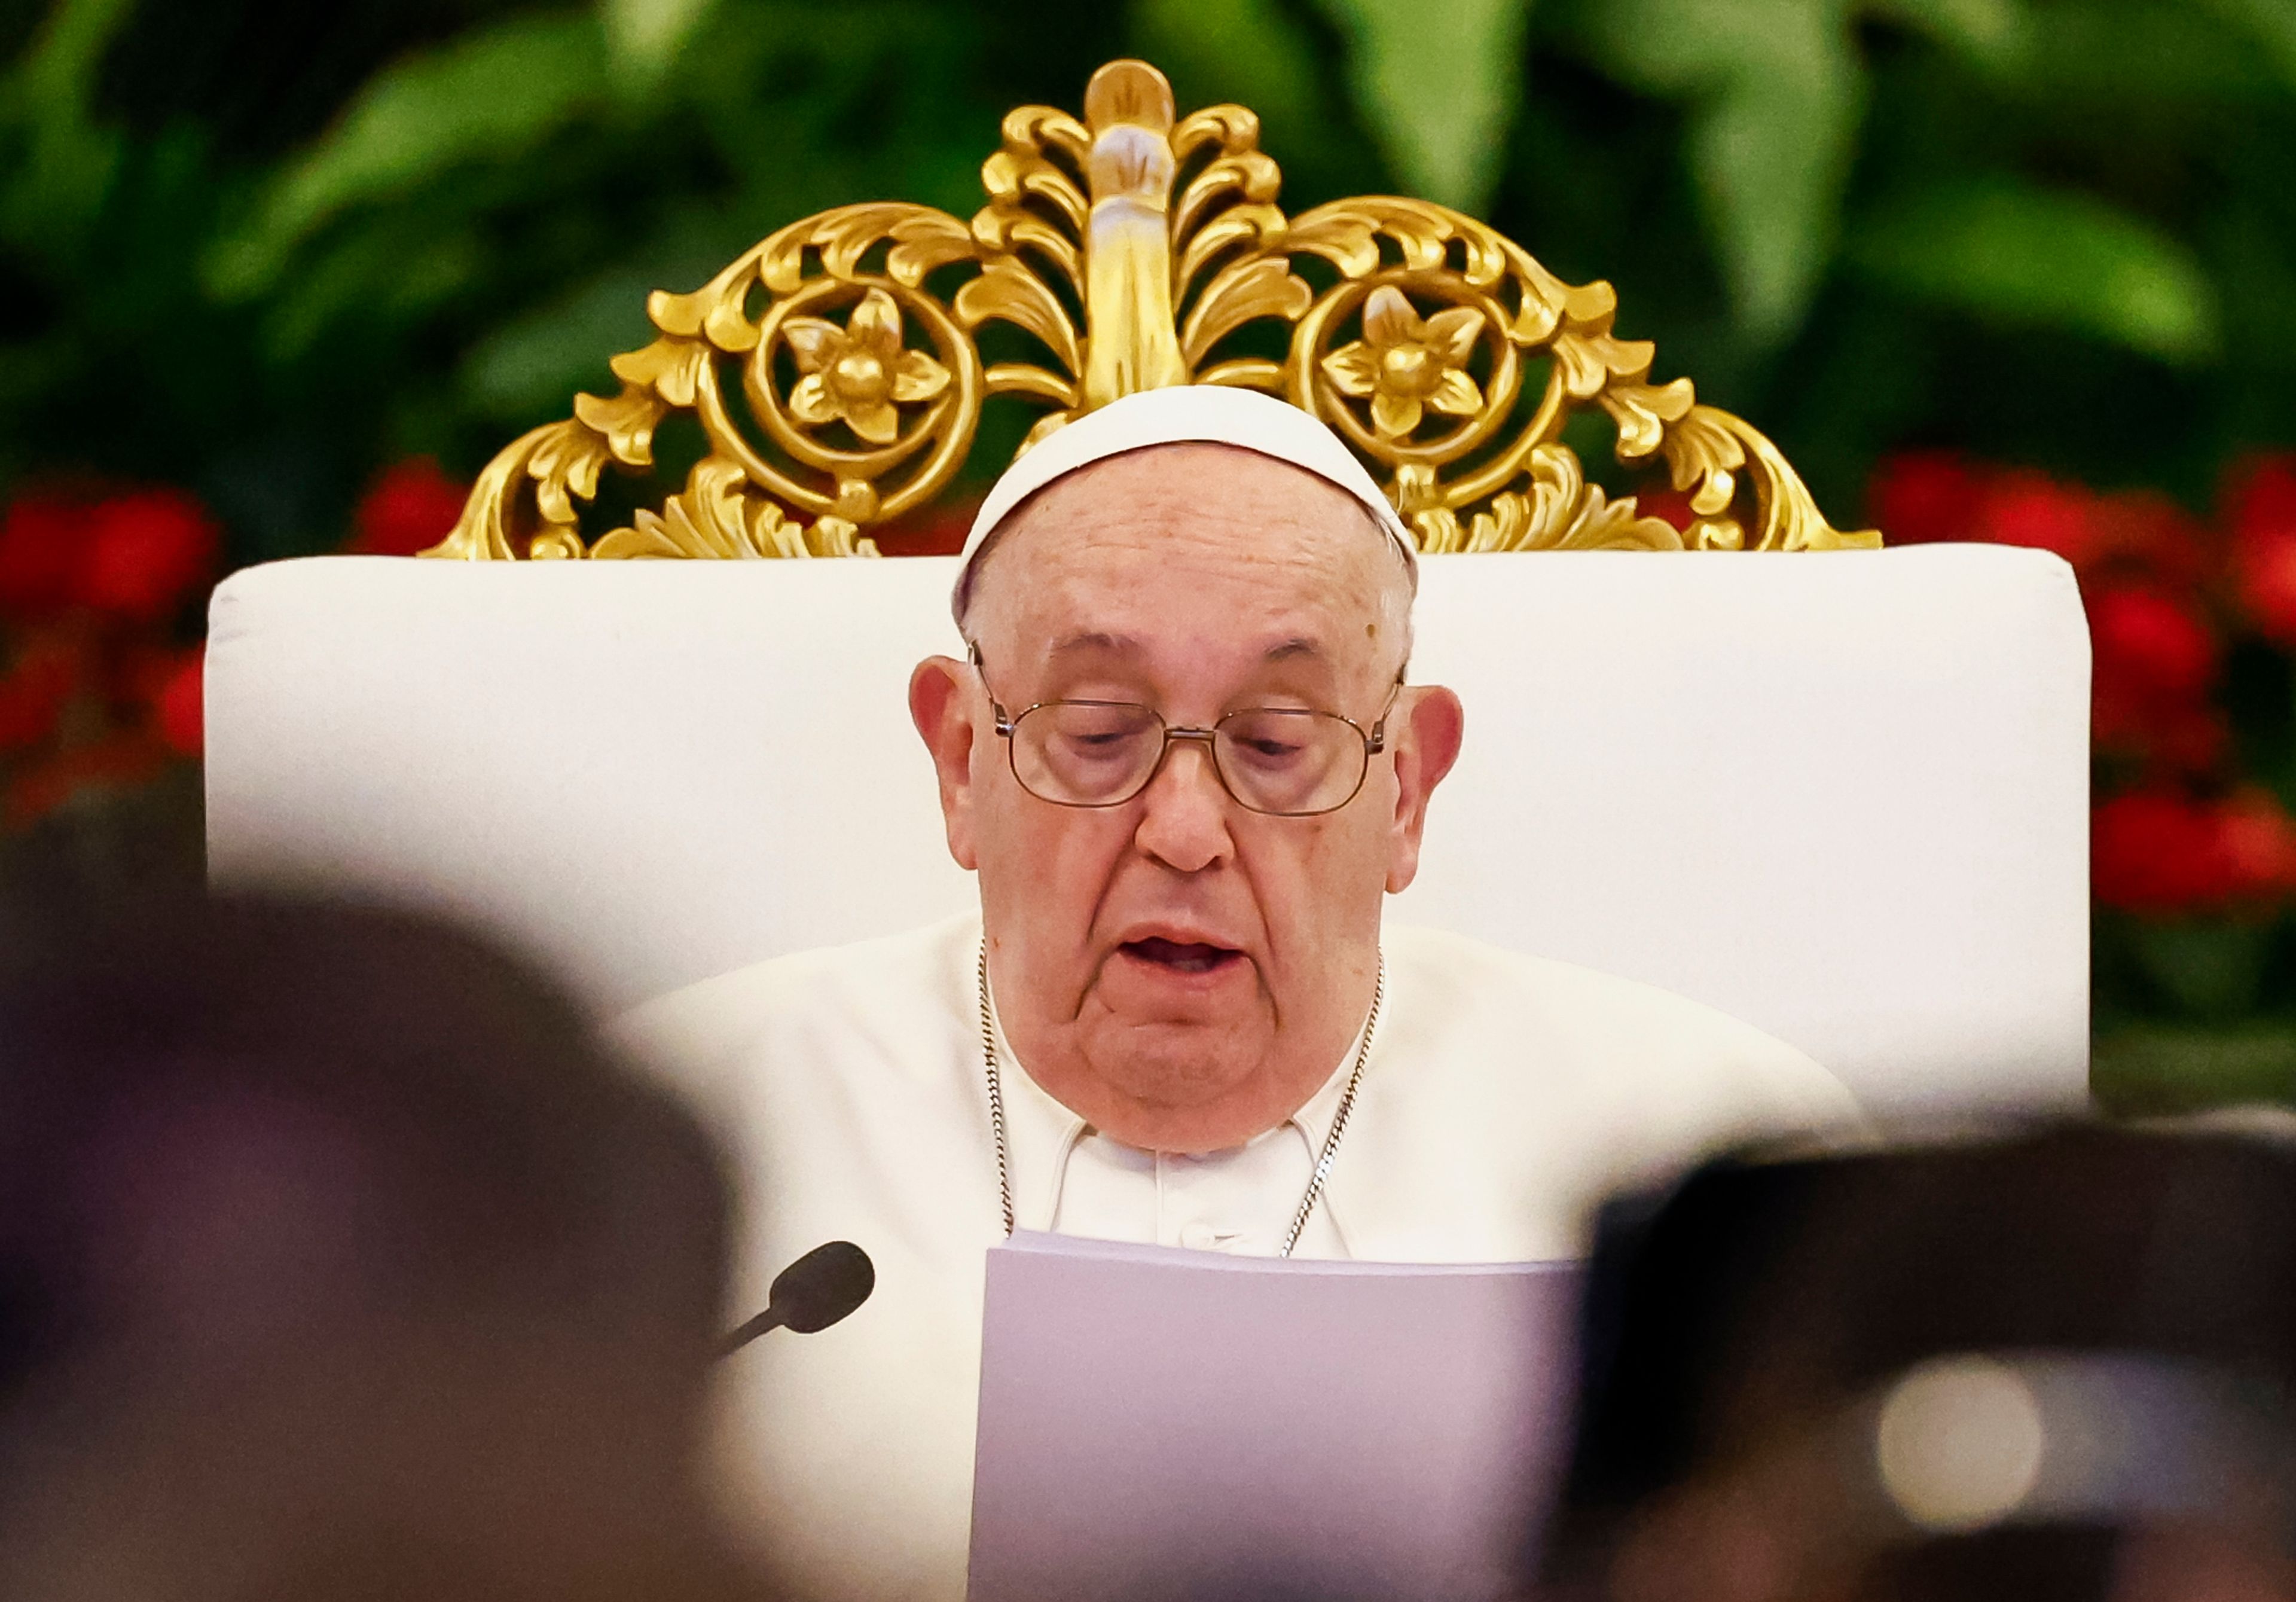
{"points": [[1125, 644], [1120, 645]]}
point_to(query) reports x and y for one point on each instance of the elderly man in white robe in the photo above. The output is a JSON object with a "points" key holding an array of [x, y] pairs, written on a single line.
{"points": [[1184, 758]]}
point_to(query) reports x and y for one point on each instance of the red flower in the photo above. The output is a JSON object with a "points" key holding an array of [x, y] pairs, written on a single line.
{"points": [[1921, 497], [2265, 568], [2156, 659], [2260, 496], [1670, 506], [179, 709], [33, 692], [2152, 852], [2031, 509], [160, 686], [2193, 740], [2151, 641], [936, 530], [2158, 851], [147, 551], [409, 508], [42, 546], [2187, 737], [2144, 533], [2258, 840], [2260, 505]]}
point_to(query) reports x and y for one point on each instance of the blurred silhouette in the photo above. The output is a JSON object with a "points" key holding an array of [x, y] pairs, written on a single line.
{"points": [[2054, 1367], [338, 1261]]}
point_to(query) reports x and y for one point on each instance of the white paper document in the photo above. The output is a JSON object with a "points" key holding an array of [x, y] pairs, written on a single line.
{"points": [[1162, 1425]]}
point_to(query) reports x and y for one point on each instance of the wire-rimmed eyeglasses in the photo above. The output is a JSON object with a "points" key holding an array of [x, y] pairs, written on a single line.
{"points": [[1285, 761]]}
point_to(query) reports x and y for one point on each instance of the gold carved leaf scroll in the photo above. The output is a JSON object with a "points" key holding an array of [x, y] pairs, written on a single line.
{"points": [[836, 374]]}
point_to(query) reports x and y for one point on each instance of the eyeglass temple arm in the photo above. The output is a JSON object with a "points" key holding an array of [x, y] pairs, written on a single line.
{"points": [[1004, 721]]}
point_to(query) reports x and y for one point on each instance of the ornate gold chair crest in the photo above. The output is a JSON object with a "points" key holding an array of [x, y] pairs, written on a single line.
{"points": [[837, 371]]}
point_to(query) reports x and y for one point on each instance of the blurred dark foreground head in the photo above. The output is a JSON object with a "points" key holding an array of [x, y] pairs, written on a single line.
{"points": [[2057, 1367], [338, 1261]]}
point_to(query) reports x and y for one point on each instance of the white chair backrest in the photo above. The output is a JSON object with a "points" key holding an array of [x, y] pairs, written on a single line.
{"points": [[1843, 796]]}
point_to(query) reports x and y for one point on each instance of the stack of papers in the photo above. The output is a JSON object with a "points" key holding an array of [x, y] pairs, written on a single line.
{"points": [[1162, 1424]]}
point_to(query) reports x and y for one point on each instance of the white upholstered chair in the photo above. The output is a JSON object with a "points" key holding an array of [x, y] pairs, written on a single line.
{"points": [[1842, 795]]}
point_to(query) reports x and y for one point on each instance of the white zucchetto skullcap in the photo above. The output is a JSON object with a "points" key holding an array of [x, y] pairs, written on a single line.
{"points": [[1185, 414]]}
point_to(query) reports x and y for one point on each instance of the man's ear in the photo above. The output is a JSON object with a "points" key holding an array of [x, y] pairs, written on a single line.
{"points": [[943, 710], [1426, 728]]}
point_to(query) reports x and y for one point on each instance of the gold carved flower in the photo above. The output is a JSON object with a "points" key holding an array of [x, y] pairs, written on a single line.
{"points": [[1406, 364], [859, 372]]}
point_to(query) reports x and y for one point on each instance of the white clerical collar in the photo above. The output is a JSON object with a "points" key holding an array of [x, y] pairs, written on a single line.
{"points": [[1042, 1132]]}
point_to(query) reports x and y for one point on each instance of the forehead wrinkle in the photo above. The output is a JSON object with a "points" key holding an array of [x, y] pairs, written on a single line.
{"points": [[1084, 597], [1152, 483], [1253, 526], [1235, 516]]}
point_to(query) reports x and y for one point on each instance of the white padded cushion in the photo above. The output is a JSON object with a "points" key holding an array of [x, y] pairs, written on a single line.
{"points": [[1842, 796]]}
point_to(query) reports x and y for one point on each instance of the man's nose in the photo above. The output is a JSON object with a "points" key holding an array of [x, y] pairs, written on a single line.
{"points": [[1185, 811]]}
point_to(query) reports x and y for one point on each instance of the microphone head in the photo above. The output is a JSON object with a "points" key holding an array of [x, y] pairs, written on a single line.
{"points": [[821, 1286]]}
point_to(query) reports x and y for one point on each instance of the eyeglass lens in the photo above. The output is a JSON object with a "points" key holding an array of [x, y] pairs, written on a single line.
{"points": [[1087, 753]]}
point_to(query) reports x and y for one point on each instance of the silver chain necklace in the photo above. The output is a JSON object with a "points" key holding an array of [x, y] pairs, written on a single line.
{"points": [[1308, 1200]]}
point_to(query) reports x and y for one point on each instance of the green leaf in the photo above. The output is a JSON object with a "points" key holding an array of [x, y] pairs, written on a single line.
{"points": [[373, 277], [58, 73], [2153, 1071], [2024, 256], [1993, 34], [489, 95], [528, 367], [1777, 94], [59, 184], [1438, 80], [2131, 61], [2211, 968], [2270, 23], [1244, 50], [531, 367], [644, 37]]}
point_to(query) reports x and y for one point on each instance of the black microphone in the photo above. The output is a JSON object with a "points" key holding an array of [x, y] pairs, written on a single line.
{"points": [[811, 1294]]}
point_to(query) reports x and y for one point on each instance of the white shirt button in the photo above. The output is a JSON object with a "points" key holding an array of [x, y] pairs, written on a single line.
{"points": [[1202, 1237]]}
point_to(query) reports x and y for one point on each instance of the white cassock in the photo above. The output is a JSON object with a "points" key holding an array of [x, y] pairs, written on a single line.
{"points": [[1503, 1096]]}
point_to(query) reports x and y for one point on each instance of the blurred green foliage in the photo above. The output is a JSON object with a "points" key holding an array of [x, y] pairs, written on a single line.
{"points": [[261, 249]]}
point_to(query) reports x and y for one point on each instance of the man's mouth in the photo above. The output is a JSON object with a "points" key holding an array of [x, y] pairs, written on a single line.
{"points": [[1181, 957]]}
